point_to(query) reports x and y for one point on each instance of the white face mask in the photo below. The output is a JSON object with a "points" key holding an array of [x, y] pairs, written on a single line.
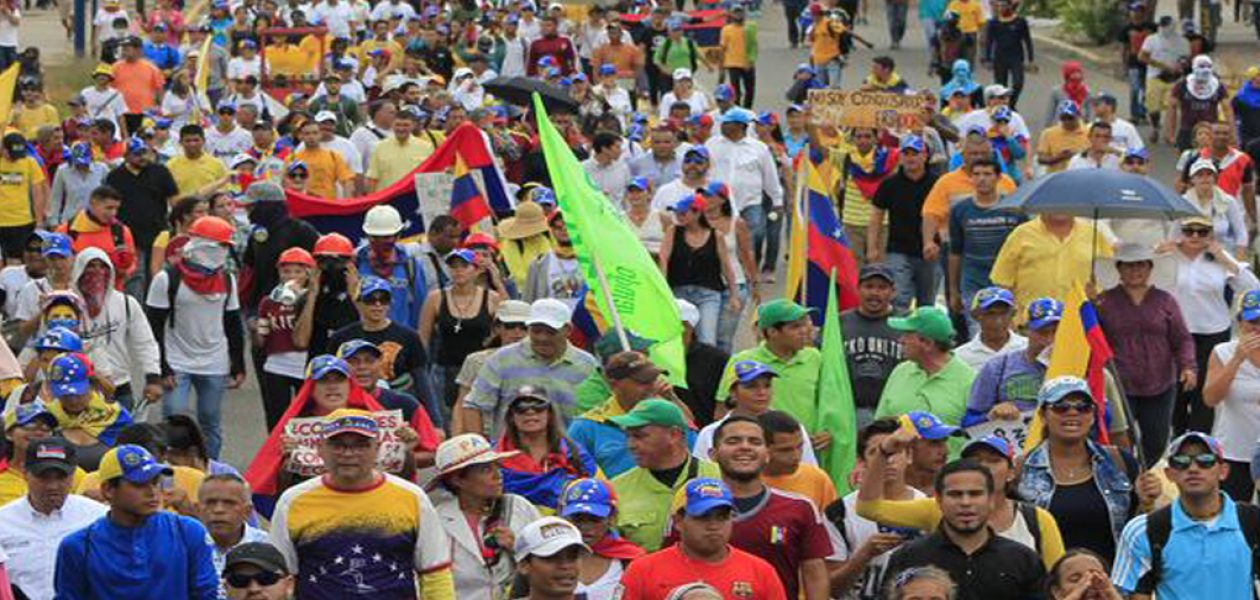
{"points": [[205, 254]]}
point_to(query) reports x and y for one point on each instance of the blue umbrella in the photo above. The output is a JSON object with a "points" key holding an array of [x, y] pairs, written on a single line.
{"points": [[1099, 194]]}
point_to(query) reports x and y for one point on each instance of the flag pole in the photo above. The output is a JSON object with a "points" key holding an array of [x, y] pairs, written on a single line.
{"points": [[802, 196], [612, 306]]}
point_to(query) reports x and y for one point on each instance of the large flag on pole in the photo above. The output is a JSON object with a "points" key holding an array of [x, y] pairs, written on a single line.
{"points": [[835, 409], [819, 247], [8, 87], [639, 292]]}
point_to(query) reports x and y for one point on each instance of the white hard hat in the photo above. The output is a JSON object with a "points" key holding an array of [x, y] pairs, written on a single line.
{"points": [[382, 220]]}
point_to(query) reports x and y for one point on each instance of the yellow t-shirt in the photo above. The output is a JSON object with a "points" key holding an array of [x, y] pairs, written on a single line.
{"points": [[1057, 139], [1034, 263], [734, 46], [395, 51], [392, 161], [970, 15], [13, 484], [326, 168], [187, 479], [808, 481], [824, 41], [16, 179], [191, 175], [29, 120]]}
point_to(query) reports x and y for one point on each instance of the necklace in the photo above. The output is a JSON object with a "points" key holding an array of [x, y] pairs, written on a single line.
{"points": [[461, 310]]}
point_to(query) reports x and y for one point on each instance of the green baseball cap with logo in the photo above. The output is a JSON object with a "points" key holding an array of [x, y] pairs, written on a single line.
{"points": [[927, 321], [779, 311], [653, 411]]}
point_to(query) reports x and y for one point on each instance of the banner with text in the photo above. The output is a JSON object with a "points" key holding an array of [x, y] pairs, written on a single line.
{"points": [[887, 110], [308, 432], [1015, 431]]}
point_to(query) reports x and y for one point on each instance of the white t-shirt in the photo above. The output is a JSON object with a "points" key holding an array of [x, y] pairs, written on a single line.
{"points": [[1124, 136], [106, 104], [9, 31], [177, 109], [704, 443], [698, 102], [195, 343], [12, 279], [104, 22], [1164, 50], [1237, 424], [672, 192], [241, 67], [974, 353], [857, 530], [335, 18], [1080, 161], [604, 587], [224, 146]]}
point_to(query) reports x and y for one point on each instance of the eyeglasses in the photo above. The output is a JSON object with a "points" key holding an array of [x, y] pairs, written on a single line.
{"points": [[1195, 231], [1181, 462], [242, 580], [1064, 408]]}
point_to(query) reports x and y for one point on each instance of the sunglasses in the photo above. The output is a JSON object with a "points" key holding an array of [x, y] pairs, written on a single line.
{"points": [[241, 580], [514, 326], [377, 300], [298, 176], [1182, 462], [1064, 408], [529, 408], [1195, 231]]}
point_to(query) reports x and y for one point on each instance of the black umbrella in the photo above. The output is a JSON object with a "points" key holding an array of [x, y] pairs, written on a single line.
{"points": [[520, 91]]}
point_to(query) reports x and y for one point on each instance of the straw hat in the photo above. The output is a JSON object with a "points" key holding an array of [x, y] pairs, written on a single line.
{"points": [[530, 220]]}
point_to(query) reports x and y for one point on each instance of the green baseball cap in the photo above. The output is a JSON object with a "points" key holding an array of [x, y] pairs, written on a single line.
{"points": [[653, 411], [927, 321], [780, 310]]}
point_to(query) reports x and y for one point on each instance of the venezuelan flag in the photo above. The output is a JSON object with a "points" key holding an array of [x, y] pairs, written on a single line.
{"points": [[867, 172], [1080, 350], [818, 247], [468, 205]]}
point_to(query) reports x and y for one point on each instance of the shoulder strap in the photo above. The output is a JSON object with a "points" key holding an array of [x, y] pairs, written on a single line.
{"points": [[1158, 528], [693, 468], [173, 279], [836, 513], [1031, 521], [1249, 522], [118, 234]]}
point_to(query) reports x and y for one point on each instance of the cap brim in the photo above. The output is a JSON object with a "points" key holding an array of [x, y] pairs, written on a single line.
{"points": [[1039, 323], [488, 457], [148, 473], [332, 433], [982, 444], [629, 421], [586, 508], [67, 389], [704, 506], [38, 468], [547, 322], [557, 545], [262, 564], [940, 432]]}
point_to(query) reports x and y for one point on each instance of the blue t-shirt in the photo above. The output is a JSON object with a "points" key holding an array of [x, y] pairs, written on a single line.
{"points": [[976, 234], [168, 556], [1008, 377]]}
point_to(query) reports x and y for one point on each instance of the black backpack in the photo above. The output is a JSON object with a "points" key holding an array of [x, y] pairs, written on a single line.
{"points": [[1159, 528]]}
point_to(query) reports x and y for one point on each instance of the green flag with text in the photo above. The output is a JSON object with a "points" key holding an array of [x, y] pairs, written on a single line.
{"points": [[836, 412]]}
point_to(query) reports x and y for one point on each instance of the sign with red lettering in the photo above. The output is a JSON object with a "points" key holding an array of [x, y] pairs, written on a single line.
{"points": [[886, 110], [308, 432]]}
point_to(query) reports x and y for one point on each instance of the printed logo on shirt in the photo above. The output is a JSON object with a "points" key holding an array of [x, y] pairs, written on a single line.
{"points": [[10, 178], [742, 589]]}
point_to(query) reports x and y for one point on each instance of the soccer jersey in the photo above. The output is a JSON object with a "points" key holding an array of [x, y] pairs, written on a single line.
{"points": [[785, 530], [739, 576], [348, 543]]}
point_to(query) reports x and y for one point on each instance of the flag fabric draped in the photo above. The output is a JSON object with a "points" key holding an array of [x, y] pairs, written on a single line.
{"points": [[202, 82], [818, 247], [345, 215], [1080, 350], [8, 88], [601, 234], [468, 205], [836, 412]]}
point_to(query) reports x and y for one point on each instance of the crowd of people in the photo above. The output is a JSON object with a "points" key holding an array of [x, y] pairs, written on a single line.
{"points": [[443, 420]]}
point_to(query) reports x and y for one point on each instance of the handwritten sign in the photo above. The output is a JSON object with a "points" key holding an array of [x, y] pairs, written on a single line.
{"points": [[308, 431], [1014, 431], [887, 110]]}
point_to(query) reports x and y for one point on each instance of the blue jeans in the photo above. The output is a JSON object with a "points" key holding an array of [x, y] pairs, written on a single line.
{"points": [[896, 14], [137, 286], [915, 278], [831, 72], [709, 301], [755, 216], [728, 321], [929, 34], [210, 390], [1137, 94]]}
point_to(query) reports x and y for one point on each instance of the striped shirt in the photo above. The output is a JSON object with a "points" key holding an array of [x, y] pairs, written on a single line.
{"points": [[517, 365]]}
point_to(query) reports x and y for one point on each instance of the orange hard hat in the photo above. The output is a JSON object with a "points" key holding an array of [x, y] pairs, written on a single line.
{"points": [[212, 228], [296, 256], [333, 244]]}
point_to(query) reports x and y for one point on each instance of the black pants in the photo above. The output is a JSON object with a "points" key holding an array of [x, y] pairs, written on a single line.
{"points": [[658, 82], [277, 391], [1190, 413], [133, 121], [1239, 484], [745, 83], [792, 12], [1012, 76], [1154, 419]]}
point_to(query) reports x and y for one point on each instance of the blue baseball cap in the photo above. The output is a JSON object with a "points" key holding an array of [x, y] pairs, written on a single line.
{"points": [[706, 494], [806, 68], [992, 442], [355, 346], [697, 151], [930, 427], [59, 338], [512, 19], [588, 497], [55, 244], [1055, 390], [80, 154], [738, 114], [1068, 108], [717, 189], [372, 284], [295, 165], [990, 296], [1249, 306], [70, 375], [1139, 153], [639, 118], [322, 365], [1002, 113], [1213, 444], [1043, 312], [133, 463], [748, 371], [28, 413], [136, 145], [639, 183], [543, 195], [794, 108], [768, 118], [689, 202], [607, 69], [724, 92], [578, 77], [463, 254], [913, 142]]}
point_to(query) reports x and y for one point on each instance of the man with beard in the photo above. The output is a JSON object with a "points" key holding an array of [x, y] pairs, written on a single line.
{"points": [[148, 190], [984, 565]]}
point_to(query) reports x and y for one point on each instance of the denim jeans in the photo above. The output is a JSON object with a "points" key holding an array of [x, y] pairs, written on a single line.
{"points": [[210, 390], [709, 301], [755, 216], [929, 34], [896, 12], [728, 321], [832, 72], [1137, 94], [915, 279]]}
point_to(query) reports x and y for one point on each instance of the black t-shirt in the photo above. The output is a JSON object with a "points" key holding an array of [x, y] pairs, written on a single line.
{"points": [[145, 197], [649, 40], [1084, 518], [872, 349], [1249, 121], [902, 198], [404, 356], [999, 570], [263, 254], [705, 364]]}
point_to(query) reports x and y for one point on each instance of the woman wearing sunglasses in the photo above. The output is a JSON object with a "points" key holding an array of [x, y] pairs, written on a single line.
{"points": [[1233, 384], [1205, 271], [1223, 209], [548, 459], [1091, 489]]}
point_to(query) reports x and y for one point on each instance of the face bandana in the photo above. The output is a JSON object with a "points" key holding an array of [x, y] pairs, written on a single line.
{"points": [[201, 266]]}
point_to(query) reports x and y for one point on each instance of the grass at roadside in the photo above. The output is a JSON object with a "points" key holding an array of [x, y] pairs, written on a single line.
{"points": [[64, 80]]}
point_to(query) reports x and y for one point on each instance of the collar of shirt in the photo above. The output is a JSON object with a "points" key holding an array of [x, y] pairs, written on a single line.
{"points": [[1226, 519]]}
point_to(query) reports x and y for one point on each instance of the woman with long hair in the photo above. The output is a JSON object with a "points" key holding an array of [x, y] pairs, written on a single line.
{"points": [[179, 102], [697, 267], [169, 242], [737, 237], [547, 460], [455, 321]]}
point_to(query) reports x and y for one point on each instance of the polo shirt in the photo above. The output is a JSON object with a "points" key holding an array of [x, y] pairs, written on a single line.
{"points": [[785, 530], [167, 556], [1001, 569], [644, 503], [517, 365], [943, 393], [194, 174], [391, 160], [795, 387], [1056, 139], [17, 177], [1202, 559], [31, 539], [1035, 263]]}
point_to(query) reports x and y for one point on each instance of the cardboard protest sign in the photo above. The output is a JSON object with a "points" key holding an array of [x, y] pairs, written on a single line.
{"points": [[886, 110], [308, 431], [1014, 431]]}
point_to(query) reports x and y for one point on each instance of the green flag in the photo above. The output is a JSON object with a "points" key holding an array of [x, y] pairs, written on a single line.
{"points": [[600, 234], [836, 413]]}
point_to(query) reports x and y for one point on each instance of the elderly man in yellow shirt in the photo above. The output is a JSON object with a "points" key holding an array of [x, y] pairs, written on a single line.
{"points": [[1044, 257], [395, 157]]}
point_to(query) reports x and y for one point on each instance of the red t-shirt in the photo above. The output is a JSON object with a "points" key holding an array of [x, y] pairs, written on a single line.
{"points": [[280, 318], [740, 576]]}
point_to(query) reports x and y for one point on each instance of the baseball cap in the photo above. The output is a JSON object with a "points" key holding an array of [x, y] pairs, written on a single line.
{"points": [[748, 371], [992, 442], [639, 183], [373, 284], [267, 191], [227, 107], [724, 92], [990, 296], [465, 450], [928, 321], [50, 454], [996, 90], [512, 311], [70, 375], [700, 152], [929, 426], [56, 244], [682, 73], [875, 270], [1203, 164], [631, 365], [324, 116], [653, 411], [355, 346], [1068, 108], [689, 312], [352, 421], [136, 145], [706, 494], [530, 395], [463, 254], [588, 497], [1055, 390], [1249, 306], [1002, 113], [687, 203], [778, 311], [132, 463], [607, 69], [913, 142], [550, 312], [242, 159], [547, 536], [1139, 153], [1044, 311], [738, 115], [1105, 96], [322, 365], [1212, 443], [25, 414], [258, 554], [60, 338]]}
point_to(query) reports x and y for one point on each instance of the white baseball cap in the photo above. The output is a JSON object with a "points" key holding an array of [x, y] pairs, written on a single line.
{"points": [[325, 115], [382, 220], [466, 450], [547, 536], [688, 311], [550, 312], [512, 311], [682, 73]]}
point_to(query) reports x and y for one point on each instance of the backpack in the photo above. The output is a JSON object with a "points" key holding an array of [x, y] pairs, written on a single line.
{"points": [[1029, 511], [691, 48], [116, 232], [1159, 528]]}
